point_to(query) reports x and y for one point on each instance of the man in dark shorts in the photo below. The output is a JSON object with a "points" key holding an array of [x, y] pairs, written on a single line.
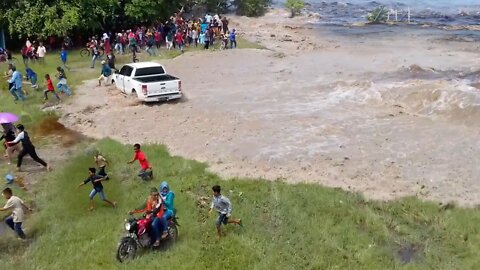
{"points": [[97, 188], [222, 205]]}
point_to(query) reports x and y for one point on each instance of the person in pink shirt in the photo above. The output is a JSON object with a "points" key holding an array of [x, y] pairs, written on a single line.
{"points": [[145, 172]]}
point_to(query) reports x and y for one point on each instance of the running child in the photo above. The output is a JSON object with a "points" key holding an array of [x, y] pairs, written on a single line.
{"points": [[223, 206], [97, 188], [50, 88]]}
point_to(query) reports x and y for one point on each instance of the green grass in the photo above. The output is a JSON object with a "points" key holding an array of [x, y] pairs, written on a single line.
{"points": [[286, 226], [246, 44]]}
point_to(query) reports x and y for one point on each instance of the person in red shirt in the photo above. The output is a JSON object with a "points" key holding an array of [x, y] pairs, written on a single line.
{"points": [[179, 40], [158, 38], [50, 88], [145, 172]]}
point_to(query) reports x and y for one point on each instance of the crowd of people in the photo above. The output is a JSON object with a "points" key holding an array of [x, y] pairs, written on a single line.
{"points": [[16, 80], [175, 33]]}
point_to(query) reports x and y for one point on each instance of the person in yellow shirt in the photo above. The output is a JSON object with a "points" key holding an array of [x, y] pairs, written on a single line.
{"points": [[101, 163]]}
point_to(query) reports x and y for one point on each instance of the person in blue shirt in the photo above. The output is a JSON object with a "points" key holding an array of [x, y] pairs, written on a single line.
{"points": [[63, 57], [62, 82], [167, 197], [32, 77], [233, 40], [202, 38], [16, 81], [105, 74]]}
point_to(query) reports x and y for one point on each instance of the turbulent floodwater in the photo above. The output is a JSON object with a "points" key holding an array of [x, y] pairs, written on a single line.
{"points": [[437, 12]]}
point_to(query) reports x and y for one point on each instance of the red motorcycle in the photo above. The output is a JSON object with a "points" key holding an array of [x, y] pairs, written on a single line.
{"points": [[139, 236]]}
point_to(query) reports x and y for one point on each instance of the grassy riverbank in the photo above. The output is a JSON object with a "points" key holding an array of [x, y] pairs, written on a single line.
{"points": [[286, 226]]}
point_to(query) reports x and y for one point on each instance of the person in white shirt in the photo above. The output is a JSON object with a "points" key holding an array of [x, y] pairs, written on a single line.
{"points": [[41, 52], [208, 18], [27, 148], [15, 205]]}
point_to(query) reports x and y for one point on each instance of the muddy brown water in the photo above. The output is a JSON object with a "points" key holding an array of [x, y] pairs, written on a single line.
{"points": [[51, 127]]}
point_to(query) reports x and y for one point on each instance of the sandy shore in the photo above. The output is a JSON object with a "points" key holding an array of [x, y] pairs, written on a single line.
{"points": [[389, 116]]}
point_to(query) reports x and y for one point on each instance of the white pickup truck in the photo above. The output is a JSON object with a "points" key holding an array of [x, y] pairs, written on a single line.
{"points": [[148, 82]]}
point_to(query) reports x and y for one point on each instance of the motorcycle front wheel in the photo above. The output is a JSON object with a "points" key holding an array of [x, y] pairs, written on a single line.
{"points": [[127, 249]]}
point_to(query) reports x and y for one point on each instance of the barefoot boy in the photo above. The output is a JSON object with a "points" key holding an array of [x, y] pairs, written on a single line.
{"points": [[222, 205], [97, 188]]}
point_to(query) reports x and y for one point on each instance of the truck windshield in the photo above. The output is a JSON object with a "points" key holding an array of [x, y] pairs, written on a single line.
{"points": [[149, 71]]}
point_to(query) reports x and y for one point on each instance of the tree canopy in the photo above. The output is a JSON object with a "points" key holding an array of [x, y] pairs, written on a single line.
{"points": [[44, 18]]}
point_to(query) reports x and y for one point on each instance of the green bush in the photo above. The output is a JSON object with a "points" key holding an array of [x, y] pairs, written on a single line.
{"points": [[378, 15], [251, 8], [295, 6]]}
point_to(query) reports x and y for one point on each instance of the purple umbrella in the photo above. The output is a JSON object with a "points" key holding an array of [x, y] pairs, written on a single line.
{"points": [[6, 117]]}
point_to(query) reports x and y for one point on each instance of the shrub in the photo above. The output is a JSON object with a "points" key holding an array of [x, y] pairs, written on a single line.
{"points": [[294, 6], [378, 15]]}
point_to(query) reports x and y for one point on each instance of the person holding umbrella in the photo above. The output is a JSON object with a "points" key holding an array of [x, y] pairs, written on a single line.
{"points": [[6, 120], [28, 148]]}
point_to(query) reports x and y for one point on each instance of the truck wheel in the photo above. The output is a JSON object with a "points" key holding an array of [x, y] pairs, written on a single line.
{"points": [[134, 94]]}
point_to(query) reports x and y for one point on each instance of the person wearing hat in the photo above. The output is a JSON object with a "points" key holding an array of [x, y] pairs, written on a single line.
{"points": [[105, 74], [27, 148]]}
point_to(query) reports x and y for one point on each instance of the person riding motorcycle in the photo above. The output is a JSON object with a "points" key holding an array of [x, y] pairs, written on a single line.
{"points": [[154, 208], [167, 197]]}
